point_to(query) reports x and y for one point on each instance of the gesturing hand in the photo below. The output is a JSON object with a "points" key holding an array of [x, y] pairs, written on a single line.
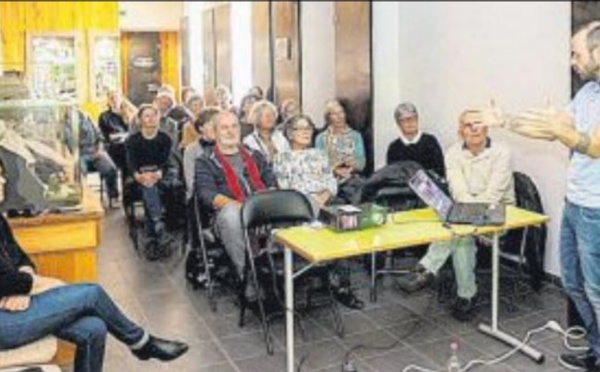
{"points": [[15, 303]]}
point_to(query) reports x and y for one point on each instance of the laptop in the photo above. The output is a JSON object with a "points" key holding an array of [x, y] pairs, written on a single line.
{"points": [[479, 214]]}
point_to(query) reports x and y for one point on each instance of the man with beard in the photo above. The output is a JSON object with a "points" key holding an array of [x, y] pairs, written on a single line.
{"points": [[577, 127]]}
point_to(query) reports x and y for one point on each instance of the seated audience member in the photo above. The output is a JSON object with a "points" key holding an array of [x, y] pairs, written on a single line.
{"points": [[256, 91], [33, 306], [148, 158], [195, 104], [189, 135], [265, 139], [342, 144], [245, 108], [204, 125], [307, 170], [413, 144], [224, 178], [224, 99], [91, 152], [186, 93], [114, 128], [287, 109], [477, 170], [304, 167]]}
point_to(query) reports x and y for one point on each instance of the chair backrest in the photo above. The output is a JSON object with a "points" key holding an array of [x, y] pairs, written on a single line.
{"points": [[276, 208], [527, 194]]}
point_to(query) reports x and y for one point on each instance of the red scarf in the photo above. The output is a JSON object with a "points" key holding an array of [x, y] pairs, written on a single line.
{"points": [[233, 183]]}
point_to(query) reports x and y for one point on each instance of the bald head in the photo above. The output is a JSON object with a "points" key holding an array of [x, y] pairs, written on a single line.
{"points": [[585, 51]]}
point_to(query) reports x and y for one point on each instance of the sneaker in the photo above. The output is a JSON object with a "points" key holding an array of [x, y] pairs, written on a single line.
{"points": [[581, 361], [463, 309], [421, 279]]}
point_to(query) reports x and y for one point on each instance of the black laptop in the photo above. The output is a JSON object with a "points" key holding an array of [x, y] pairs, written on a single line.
{"points": [[480, 214]]}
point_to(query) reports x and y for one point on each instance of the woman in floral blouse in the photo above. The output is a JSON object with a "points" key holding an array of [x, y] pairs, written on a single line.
{"points": [[307, 170], [304, 168]]}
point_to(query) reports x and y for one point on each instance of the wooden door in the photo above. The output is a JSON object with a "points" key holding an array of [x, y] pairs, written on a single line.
{"points": [[209, 54], [261, 45], [286, 50], [353, 67], [222, 35]]}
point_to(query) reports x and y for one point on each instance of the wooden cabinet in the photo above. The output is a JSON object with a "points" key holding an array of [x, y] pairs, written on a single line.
{"points": [[64, 246]]}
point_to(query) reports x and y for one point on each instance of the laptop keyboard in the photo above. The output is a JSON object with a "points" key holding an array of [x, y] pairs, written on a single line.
{"points": [[469, 212]]}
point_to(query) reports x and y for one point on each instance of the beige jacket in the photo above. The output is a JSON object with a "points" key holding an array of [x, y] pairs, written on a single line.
{"points": [[486, 178]]}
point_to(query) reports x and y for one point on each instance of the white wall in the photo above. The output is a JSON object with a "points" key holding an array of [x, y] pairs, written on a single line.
{"points": [[241, 48], [454, 55], [150, 15], [318, 57]]}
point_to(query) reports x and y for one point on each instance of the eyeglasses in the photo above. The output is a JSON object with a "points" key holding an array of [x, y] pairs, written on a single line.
{"points": [[302, 129]]}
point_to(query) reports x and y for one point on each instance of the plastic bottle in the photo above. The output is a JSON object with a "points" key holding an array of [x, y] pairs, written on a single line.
{"points": [[453, 364]]}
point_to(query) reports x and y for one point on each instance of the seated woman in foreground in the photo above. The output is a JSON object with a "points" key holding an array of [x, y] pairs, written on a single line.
{"points": [[34, 306]]}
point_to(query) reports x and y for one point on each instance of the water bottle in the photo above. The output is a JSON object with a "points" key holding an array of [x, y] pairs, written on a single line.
{"points": [[453, 363]]}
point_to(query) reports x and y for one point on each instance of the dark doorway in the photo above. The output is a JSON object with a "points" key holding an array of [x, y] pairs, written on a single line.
{"points": [[143, 66]]}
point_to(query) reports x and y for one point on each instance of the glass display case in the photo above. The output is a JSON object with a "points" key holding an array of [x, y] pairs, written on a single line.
{"points": [[39, 150]]}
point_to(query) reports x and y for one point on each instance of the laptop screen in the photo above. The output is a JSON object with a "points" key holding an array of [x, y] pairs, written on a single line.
{"points": [[431, 193]]}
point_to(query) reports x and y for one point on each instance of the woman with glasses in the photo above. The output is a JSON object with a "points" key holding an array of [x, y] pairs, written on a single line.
{"points": [[307, 170]]}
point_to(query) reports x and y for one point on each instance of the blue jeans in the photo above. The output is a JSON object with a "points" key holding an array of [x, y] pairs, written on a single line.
{"points": [[78, 313], [580, 265], [153, 207]]}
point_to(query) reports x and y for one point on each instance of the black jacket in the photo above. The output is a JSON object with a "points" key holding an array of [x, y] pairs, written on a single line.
{"points": [[12, 257]]}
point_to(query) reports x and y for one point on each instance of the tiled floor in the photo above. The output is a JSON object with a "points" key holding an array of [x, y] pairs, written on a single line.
{"points": [[400, 330]]}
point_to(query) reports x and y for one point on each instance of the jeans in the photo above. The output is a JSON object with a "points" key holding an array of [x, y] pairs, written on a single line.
{"points": [[153, 207], [81, 313], [463, 251], [107, 169], [229, 227], [580, 265]]}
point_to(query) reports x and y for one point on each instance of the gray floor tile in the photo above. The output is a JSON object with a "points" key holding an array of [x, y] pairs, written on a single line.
{"points": [[156, 296], [397, 360], [366, 345]]}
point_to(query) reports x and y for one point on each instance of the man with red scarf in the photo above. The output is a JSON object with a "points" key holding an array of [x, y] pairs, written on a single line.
{"points": [[225, 177]]}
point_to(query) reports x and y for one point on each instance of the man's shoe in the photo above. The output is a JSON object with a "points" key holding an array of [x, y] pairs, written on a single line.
{"points": [[160, 349], [581, 361], [463, 309], [421, 280]]}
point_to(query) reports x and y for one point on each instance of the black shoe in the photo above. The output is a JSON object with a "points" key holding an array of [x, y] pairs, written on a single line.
{"points": [[581, 361], [346, 297], [463, 309], [151, 250], [160, 349], [421, 280]]}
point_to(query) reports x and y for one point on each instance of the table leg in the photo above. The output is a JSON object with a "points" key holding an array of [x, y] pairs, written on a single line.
{"points": [[493, 331], [289, 309]]}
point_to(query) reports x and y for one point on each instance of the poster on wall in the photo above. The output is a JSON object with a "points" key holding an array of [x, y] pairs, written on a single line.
{"points": [[105, 64], [52, 68]]}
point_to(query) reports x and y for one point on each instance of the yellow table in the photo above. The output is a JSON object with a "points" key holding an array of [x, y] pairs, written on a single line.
{"points": [[404, 229]]}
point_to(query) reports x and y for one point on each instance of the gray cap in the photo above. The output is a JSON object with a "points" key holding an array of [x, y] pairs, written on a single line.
{"points": [[405, 110]]}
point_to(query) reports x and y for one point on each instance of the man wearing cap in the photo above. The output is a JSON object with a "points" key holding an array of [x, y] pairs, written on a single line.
{"points": [[478, 171], [413, 144]]}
